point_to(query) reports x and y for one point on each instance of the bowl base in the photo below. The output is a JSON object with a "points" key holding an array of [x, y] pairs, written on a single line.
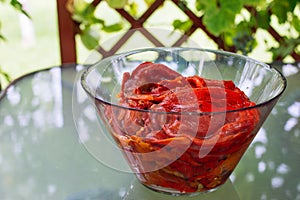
{"points": [[170, 191]]}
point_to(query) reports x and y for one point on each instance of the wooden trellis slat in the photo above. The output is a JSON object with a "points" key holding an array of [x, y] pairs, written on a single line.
{"points": [[67, 31]]}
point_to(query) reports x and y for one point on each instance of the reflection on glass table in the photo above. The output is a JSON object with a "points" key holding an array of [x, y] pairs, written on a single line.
{"points": [[50, 150]]}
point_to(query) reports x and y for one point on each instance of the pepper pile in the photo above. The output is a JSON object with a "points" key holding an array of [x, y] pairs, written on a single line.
{"points": [[188, 118]]}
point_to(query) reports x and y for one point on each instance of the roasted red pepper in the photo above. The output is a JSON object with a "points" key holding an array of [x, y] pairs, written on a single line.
{"points": [[193, 111]]}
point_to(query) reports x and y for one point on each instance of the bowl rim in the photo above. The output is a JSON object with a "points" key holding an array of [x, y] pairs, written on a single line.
{"points": [[220, 52]]}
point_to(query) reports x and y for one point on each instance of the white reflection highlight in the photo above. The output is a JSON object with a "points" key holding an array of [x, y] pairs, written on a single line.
{"points": [[271, 165], [47, 91], [232, 177], [289, 70], [13, 95], [290, 124], [38, 118], [298, 187], [41, 88], [262, 166], [263, 196], [18, 147], [250, 177], [261, 136], [294, 109], [24, 119], [297, 133], [277, 182], [8, 120], [81, 95], [283, 168], [89, 112], [122, 192], [83, 131], [51, 189], [57, 90], [79, 67], [259, 151]]}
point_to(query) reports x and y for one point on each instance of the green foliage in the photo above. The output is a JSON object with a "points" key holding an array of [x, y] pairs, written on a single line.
{"points": [[285, 48], [223, 19], [219, 15], [116, 3], [18, 6], [90, 24], [281, 9], [262, 19], [183, 26], [296, 23], [4, 77]]}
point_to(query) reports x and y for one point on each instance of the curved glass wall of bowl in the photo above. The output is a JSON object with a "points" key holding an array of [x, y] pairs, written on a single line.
{"points": [[110, 78]]}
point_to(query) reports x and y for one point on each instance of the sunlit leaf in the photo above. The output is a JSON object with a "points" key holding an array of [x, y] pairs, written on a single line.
{"points": [[80, 5], [84, 13], [116, 3], [113, 28], [90, 38], [149, 2], [228, 39], [182, 25], [133, 9], [296, 23]]}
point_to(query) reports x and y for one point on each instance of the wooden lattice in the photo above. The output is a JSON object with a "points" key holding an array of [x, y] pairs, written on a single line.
{"points": [[67, 32]]}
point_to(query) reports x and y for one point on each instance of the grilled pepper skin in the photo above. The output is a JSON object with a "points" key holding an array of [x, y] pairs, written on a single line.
{"points": [[207, 144]]}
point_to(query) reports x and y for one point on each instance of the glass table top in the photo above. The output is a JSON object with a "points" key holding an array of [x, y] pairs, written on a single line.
{"points": [[50, 147]]}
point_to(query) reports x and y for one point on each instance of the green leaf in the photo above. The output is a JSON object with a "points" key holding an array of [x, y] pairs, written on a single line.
{"points": [[117, 4], [202, 5], [113, 28], [253, 2], [263, 19], [182, 25], [281, 9], [2, 37], [90, 38], [199, 5], [18, 6], [133, 9], [241, 37], [84, 13], [80, 5], [220, 15], [296, 23], [5, 75], [149, 2]]}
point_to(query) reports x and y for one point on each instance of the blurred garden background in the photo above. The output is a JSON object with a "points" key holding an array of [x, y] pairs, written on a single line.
{"points": [[266, 30]]}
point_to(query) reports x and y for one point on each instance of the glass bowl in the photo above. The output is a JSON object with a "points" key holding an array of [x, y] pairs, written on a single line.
{"points": [[182, 117]]}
